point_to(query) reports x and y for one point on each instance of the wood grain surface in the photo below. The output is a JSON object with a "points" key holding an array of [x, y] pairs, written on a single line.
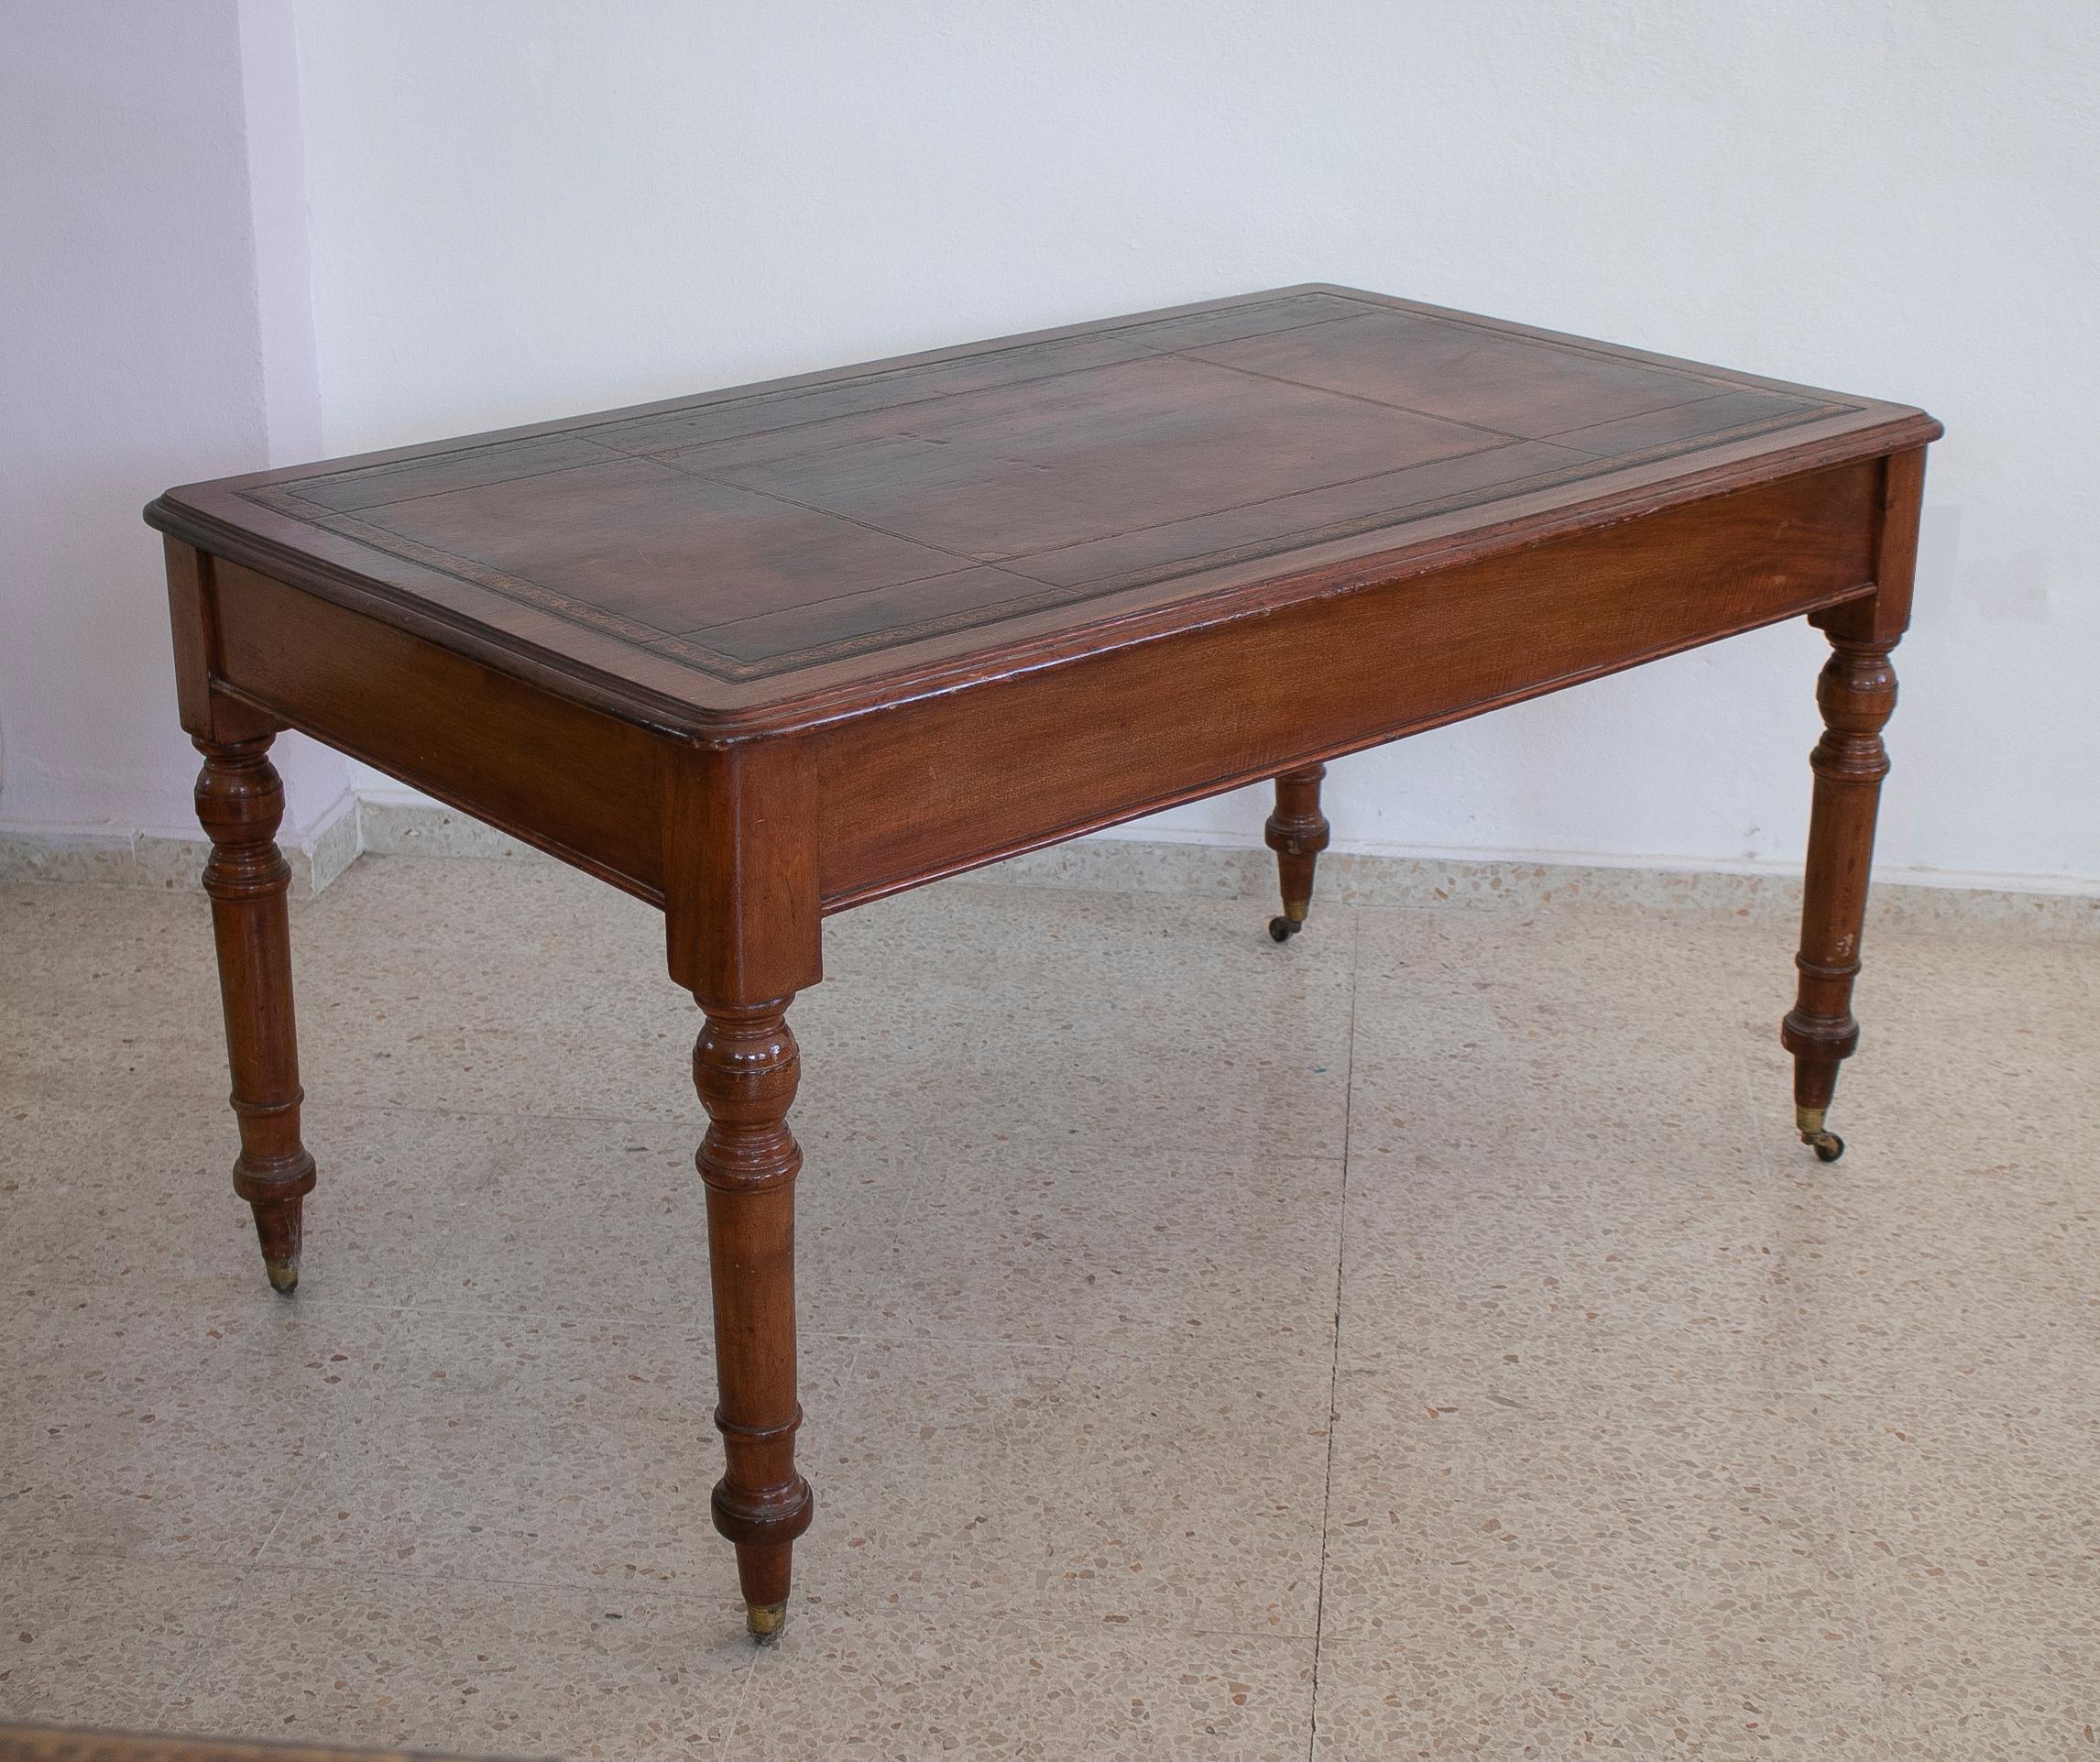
{"points": [[748, 548]]}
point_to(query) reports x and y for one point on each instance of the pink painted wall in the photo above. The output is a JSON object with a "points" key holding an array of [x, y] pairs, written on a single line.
{"points": [[156, 325]]}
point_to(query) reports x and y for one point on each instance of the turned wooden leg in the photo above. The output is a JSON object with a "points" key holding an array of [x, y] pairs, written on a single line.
{"points": [[240, 801], [745, 1067], [1296, 832], [1856, 694]]}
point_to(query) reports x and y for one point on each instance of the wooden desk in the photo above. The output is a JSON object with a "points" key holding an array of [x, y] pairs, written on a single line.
{"points": [[763, 655]]}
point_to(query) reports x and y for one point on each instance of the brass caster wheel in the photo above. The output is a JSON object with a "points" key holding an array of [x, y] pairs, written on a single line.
{"points": [[765, 1620], [1826, 1143], [1283, 929]]}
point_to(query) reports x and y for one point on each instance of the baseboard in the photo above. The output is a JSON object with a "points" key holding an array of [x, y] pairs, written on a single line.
{"points": [[171, 861], [1526, 887], [405, 825]]}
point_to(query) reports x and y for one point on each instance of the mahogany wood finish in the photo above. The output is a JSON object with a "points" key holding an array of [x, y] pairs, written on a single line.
{"points": [[763, 655], [240, 801], [746, 1065], [1297, 833], [1858, 694]]}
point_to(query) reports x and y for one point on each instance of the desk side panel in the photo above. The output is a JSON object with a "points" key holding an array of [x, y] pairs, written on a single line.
{"points": [[572, 781], [930, 788]]}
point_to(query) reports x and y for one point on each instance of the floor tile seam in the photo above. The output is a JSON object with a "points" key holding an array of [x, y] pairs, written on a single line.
{"points": [[1334, 1362]]}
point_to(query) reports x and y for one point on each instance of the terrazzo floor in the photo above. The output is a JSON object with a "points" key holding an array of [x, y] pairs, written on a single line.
{"points": [[1425, 1339]]}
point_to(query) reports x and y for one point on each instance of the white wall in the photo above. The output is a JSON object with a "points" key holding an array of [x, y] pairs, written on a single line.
{"points": [[155, 328], [523, 207]]}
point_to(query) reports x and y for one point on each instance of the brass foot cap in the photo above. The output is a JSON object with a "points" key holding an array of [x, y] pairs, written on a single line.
{"points": [[765, 1619], [283, 1276], [1809, 1120]]}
